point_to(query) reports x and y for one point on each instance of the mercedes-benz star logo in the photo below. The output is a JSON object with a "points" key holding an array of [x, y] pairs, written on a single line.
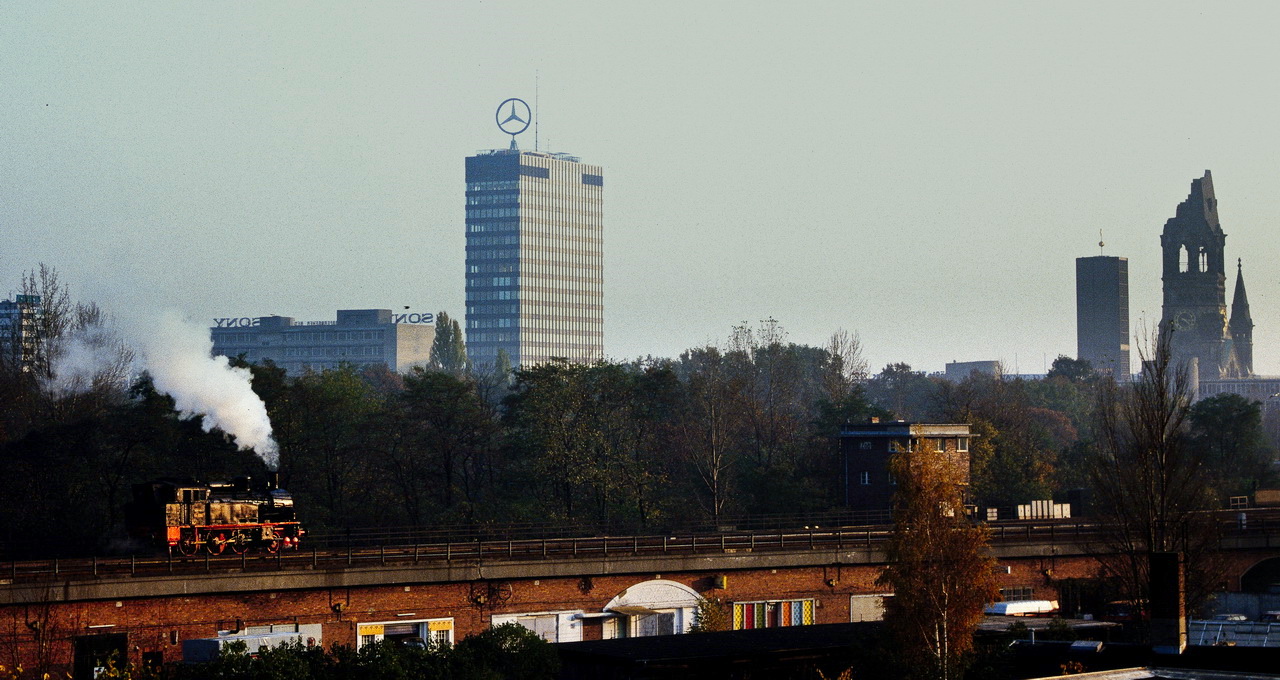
{"points": [[516, 119]]}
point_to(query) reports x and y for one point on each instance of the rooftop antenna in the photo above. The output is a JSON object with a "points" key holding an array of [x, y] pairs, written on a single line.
{"points": [[1101, 243], [535, 109]]}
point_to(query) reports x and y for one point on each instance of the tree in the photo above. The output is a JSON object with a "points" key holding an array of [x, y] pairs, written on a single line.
{"points": [[508, 651], [707, 426], [909, 394], [713, 614], [1075, 370], [1226, 431], [939, 566], [67, 365], [1149, 480], [567, 421], [1015, 444], [450, 432], [449, 350], [325, 449]]}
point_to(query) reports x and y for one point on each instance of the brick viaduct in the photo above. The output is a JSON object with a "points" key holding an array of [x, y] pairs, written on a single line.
{"points": [[148, 611]]}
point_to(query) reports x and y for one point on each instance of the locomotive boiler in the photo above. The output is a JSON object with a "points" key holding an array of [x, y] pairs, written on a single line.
{"points": [[238, 516]]}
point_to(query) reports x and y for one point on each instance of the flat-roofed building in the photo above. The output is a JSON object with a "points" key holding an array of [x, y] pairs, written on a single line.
{"points": [[865, 450], [958, 371], [535, 260], [19, 331], [1102, 314], [360, 337]]}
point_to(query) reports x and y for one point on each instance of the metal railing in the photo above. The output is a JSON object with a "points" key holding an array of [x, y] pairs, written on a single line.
{"points": [[359, 549]]}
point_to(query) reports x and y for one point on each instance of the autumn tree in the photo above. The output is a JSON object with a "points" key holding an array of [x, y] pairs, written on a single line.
{"points": [[939, 566], [1016, 442]]}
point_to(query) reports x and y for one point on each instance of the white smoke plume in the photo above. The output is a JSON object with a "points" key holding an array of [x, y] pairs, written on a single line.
{"points": [[177, 355], [88, 358]]}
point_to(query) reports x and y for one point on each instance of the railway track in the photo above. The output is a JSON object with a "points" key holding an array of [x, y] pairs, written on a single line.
{"points": [[330, 552]]}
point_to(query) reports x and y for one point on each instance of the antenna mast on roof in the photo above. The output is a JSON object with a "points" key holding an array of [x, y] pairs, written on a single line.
{"points": [[1101, 243], [535, 109]]}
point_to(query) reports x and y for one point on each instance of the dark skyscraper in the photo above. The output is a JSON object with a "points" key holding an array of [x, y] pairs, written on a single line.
{"points": [[1102, 313], [534, 258]]}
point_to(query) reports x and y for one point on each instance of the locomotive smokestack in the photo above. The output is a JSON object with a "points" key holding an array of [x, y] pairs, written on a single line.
{"points": [[273, 480]]}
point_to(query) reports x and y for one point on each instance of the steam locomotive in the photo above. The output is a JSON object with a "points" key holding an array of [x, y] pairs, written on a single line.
{"points": [[238, 516]]}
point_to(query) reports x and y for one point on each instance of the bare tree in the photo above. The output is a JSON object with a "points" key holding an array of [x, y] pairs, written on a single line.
{"points": [[705, 431], [1149, 480], [846, 367], [66, 363], [940, 568]]}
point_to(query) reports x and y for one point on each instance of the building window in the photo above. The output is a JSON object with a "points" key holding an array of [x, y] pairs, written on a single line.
{"points": [[428, 631], [775, 614], [895, 446], [962, 444], [866, 478], [1021, 594]]}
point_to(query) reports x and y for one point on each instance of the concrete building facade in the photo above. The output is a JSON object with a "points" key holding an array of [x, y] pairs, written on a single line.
{"points": [[535, 262], [1102, 314], [360, 337], [19, 325]]}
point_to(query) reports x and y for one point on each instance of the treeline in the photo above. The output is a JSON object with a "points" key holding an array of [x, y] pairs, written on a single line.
{"points": [[747, 428], [507, 651]]}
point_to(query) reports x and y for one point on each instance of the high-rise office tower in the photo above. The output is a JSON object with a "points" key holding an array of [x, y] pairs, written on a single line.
{"points": [[1102, 314], [534, 258]]}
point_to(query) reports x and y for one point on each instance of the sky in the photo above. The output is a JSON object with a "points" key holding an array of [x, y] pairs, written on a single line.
{"points": [[921, 173]]}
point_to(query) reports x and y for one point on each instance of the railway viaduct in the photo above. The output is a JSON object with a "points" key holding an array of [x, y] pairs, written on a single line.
{"points": [[64, 614]]}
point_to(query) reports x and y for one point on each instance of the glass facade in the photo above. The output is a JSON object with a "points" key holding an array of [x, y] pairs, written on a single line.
{"points": [[535, 261]]}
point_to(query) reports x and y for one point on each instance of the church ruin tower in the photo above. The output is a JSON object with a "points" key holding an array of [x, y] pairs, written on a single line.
{"points": [[1241, 328], [1195, 306]]}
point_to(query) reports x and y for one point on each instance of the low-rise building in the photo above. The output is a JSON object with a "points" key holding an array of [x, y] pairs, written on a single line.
{"points": [[865, 450], [359, 336], [958, 371]]}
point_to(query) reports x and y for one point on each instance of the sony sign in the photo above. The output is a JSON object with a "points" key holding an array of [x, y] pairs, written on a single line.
{"points": [[254, 322], [413, 318], [234, 322]]}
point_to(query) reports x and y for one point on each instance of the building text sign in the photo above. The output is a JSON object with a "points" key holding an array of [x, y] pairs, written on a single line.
{"points": [[254, 322]]}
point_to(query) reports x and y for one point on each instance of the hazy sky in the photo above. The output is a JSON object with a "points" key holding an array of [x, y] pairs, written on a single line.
{"points": [[921, 173]]}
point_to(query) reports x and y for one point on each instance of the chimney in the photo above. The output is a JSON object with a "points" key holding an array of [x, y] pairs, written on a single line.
{"points": [[1168, 603]]}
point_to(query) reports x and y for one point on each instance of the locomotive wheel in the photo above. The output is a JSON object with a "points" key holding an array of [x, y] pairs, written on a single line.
{"points": [[273, 546], [216, 544], [187, 546], [239, 546]]}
